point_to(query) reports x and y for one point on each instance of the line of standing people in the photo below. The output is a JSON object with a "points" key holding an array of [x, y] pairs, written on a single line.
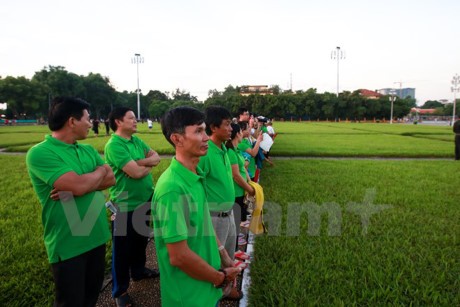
{"points": [[192, 206]]}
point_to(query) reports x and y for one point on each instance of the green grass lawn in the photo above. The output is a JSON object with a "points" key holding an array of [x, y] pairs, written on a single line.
{"points": [[26, 278], [352, 140], [295, 139], [407, 254]]}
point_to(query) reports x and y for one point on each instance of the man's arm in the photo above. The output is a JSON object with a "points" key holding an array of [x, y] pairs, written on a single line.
{"points": [[253, 151], [182, 257], [151, 159], [133, 170], [109, 179], [81, 184], [240, 180], [225, 260]]}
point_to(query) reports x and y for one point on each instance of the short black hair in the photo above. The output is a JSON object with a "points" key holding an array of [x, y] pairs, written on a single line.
{"points": [[117, 113], [177, 119], [63, 108], [235, 129], [214, 115], [242, 111], [243, 125]]}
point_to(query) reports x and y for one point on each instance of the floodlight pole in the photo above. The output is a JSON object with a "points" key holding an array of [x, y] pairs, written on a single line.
{"points": [[455, 88], [136, 60], [392, 99], [338, 55]]}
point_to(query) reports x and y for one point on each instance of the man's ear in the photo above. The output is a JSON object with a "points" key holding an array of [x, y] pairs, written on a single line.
{"points": [[71, 122], [176, 138], [117, 122], [213, 128]]}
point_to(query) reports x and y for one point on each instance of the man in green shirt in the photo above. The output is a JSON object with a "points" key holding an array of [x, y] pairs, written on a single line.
{"points": [[218, 171], [132, 161], [68, 178], [219, 180], [187, 249]]}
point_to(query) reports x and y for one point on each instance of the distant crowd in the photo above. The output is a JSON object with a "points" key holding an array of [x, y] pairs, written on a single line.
{"points": [[200, 207]]}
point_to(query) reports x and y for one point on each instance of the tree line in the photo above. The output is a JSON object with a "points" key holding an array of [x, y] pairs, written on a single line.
{"points": [[440, 108], [30, 98]]}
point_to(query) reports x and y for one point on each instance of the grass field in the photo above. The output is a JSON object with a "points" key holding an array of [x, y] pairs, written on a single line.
{"points": [[407, 252], [295, 139], [408, 256], [353, 140]]}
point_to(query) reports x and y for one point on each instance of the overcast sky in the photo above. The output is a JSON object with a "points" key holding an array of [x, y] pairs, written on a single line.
{"points": [[199, 45]]}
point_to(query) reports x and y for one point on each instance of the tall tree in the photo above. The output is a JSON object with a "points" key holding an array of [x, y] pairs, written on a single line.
{"points": [[99, 93], [24, 97], [183, 95], [158, 108], [432, 104], [60, 82]]}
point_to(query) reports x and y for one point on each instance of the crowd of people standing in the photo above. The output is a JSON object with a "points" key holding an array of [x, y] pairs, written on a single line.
{"points": [[197, 207]]}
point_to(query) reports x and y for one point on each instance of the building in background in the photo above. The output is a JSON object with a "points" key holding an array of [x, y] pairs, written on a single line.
{"points": [[423, 111], [369, 94], [246, 90], [400, 92]]}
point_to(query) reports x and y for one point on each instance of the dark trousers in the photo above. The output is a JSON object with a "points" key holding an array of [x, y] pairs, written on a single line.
{"points": [[130, 233], [243, 210], [239, 214], [457, 147], [78, 280]]}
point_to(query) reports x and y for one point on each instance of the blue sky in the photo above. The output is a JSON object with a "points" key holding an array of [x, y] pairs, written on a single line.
{"points": [[200, 45]]}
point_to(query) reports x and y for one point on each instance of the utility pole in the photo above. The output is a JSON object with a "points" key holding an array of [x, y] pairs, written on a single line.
{"points": [[392, 100], [455, 88], [291, 82], [136, 60], [337, 55]]}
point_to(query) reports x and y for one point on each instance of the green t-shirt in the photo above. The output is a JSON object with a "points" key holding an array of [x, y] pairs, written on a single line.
{"points": [[219, 180], [264, 129], [74, 226], [128, 193], [180, 212], [243, 146], [235, 157]]}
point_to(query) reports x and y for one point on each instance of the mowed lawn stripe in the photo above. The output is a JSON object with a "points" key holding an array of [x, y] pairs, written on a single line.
{"points": [[408, 254]]}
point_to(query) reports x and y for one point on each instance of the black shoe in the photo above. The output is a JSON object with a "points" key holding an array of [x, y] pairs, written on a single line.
{"points": [[147, 273]]}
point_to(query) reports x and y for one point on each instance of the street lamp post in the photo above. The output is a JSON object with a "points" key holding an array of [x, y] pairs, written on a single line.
{"points": [[455, 88], [392, 99], [337, 55], [136, 60]]}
